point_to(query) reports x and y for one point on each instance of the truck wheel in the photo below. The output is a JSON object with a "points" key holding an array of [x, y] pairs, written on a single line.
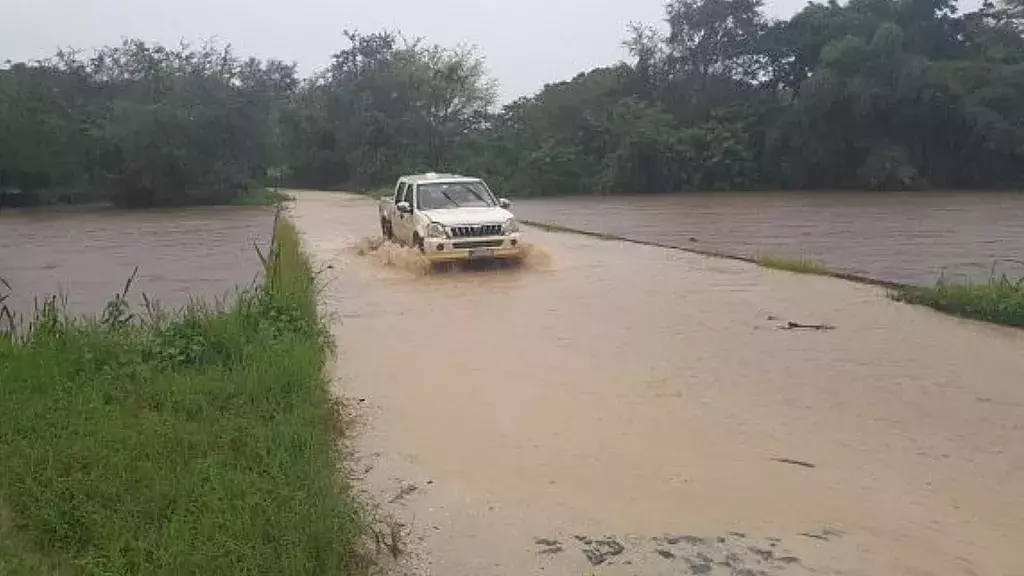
{"points": [[418, 242], [385, 229]]}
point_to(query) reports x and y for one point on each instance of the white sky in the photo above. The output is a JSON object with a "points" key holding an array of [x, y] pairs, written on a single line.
{"points": [[525, 43]]}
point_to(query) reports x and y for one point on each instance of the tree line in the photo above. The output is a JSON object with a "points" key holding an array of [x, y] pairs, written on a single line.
{"points": [[871, 94]]}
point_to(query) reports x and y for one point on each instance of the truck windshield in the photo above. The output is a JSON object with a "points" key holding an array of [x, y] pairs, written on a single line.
{"points": [[442, 195]]}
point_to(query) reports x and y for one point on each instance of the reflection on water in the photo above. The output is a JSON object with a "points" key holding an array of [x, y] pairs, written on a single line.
{"points": [[900, 237], [88, 255]]}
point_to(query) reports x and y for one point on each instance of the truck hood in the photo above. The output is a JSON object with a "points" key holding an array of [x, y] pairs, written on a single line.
{"points": [[457, 216]]}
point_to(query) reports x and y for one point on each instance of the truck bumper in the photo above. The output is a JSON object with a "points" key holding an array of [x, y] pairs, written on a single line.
{"points": [[495, 247]]}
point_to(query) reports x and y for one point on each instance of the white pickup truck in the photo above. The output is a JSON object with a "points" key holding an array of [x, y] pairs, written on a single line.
{"points": [[450, 217]]}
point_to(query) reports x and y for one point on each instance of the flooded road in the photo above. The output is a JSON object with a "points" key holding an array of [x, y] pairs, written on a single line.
{"points": [[624, 409], [899, 237], [89, 255]]}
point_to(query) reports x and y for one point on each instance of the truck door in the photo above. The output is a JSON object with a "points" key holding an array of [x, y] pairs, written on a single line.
{"points": [[403, 225]]}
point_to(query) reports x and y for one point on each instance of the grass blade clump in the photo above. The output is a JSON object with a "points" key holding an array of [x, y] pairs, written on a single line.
{"points": [[801, 265], [1000, 300], [190, 443]]}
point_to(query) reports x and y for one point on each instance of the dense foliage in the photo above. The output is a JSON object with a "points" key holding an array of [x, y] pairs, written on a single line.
{"points": [[141, 124], [877, 94], [384, 107]]}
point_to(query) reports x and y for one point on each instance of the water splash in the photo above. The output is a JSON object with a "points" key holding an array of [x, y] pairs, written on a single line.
{"points": [[537, 257], [394, 255], [390, 254]]}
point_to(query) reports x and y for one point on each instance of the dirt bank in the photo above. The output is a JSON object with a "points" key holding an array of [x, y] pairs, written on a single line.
{"points": [[623, 409]]}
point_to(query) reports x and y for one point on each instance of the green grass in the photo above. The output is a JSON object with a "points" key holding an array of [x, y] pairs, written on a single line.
{"points": [[1000, 300], [800, 265], [197, 443]]}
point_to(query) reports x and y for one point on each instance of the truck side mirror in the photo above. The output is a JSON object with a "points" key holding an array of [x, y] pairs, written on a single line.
{"points": [[504, 203], [404, 207]]}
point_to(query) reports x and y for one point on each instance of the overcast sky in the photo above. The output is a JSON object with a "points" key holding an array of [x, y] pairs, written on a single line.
{"points": [[525, 43]]}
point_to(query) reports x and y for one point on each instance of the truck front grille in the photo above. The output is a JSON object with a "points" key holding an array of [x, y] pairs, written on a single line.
{"points": [[470, 244], [476, 230]]}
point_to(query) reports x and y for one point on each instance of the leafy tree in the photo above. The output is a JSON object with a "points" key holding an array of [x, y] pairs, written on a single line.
{"points": [[141, 125], [877, 94], [384, 106]]}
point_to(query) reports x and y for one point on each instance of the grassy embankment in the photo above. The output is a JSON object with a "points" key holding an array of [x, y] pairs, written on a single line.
{"points": [[999, 301], [801, 265], [194, 443]]}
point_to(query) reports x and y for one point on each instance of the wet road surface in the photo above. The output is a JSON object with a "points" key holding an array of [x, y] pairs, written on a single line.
{"points": [[611, 408]]}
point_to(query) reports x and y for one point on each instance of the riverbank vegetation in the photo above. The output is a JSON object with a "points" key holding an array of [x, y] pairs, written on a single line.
{"points": [[801, 265], [1000, 300], [191, 443], [870, 94]]}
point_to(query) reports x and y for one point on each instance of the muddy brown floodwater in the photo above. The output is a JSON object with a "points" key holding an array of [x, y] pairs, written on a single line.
{"points": [[900, 237], [623, 409], [88, 255]]}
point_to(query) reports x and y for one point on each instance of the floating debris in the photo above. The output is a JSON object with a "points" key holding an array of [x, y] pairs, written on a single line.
{"points": [[548, 546], [800, 326], [794, 462]]}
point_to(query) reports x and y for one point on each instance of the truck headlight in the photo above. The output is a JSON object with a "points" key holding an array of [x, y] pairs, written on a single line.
{"points": [[435, 230], [510, 226]]}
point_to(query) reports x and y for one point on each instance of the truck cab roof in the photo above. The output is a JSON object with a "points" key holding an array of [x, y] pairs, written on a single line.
{"points": [[436, 177]]}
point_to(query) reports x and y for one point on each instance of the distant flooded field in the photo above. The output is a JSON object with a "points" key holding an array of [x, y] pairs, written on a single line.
{"points": [[88, 255], [900, 237], [208, 252]]}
